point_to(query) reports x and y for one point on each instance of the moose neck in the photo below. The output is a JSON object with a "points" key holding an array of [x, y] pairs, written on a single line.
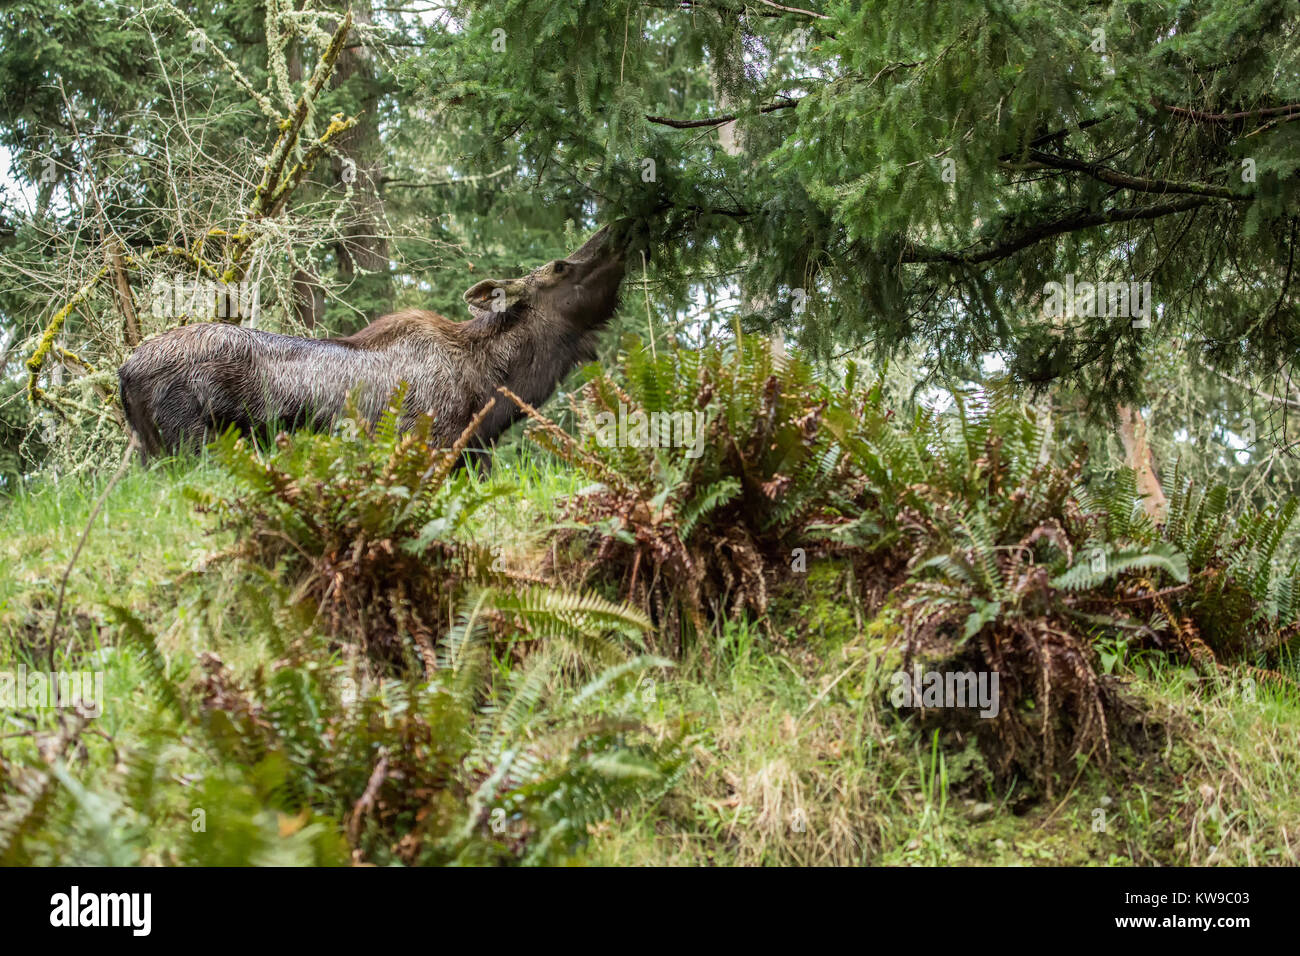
{"points": [[531, 359], [543, 351]]}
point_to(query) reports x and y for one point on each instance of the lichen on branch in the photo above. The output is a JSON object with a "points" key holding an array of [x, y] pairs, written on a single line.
{"points": [[278, 182]]}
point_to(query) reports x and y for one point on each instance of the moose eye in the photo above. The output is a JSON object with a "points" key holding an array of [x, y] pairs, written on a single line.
{"points": [[557, 266]]}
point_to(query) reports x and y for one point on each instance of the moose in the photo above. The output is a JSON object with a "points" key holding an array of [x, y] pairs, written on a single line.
{"points": [[184, 386]]}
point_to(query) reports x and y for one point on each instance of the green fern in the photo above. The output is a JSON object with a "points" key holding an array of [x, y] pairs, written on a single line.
{"points": [[1090, 572]]}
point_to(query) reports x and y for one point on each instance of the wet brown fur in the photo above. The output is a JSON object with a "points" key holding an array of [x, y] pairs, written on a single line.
{"points": [[181, 387]]}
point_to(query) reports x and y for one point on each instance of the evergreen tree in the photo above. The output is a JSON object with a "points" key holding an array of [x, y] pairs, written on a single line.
{"points": [[918, 173]]}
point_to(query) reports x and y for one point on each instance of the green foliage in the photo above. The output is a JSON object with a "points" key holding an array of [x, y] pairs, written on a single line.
{"points": [[1017, 566], [21, 445], [517, 736], [312, 763], [370, 528], [906, 175], [1242, 599], [897, 176], [710, 463], [252, 732], [972, 527]]}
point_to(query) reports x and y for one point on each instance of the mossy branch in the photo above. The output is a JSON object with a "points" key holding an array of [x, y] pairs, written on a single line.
{"points": [[291, 128], [40, 356], [36, 362], [75, 359], [338, 125], [271, 197], [177, 252]]}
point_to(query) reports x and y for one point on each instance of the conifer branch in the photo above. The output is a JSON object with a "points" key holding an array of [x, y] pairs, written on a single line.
{"points": [[914, 252], [718, 120], [1114, 177]]}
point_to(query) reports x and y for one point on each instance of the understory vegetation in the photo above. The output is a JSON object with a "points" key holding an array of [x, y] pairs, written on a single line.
{"points": [[343, 648]]}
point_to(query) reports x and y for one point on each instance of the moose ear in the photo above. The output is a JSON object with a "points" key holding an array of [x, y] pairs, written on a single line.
{"points": [[495, 295]]}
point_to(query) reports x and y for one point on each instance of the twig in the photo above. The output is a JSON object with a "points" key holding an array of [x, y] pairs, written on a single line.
{"points": [[367, 800], [1291, 109], [649, 319], [438, 472], [831, 686], [130, 324], [801, 12], [595, 466]]}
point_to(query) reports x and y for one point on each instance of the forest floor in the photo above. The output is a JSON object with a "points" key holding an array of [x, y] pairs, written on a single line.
{"points": [[797, 756]]}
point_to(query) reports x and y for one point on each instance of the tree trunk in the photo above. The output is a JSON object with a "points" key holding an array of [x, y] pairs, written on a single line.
{"points": [[363, 248], [308, 299], [307, 296], [1137, 455]]}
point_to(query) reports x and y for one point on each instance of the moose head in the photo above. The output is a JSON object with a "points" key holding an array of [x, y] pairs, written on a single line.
{"points": [[579, 291]]}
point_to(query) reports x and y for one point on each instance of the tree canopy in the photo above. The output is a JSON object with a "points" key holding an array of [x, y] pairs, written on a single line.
{"points": [[917, 173]]}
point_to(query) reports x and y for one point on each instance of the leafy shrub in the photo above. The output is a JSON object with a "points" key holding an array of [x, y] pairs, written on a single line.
{"points": [[1015, 566], [1243, 598], [972, 539], [700, 529], [519, 732], [370, 528], [971, 528], [311, 762], [1007, 573]]}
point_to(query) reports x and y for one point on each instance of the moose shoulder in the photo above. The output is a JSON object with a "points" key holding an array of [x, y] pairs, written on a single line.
{"points": [[183, 386]]}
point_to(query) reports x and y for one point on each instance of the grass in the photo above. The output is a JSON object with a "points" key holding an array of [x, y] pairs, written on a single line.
{"points": [[798, 758], [868, 788]]}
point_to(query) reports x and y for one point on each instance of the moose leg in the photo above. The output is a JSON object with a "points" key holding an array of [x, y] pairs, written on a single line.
{"points": [[180, 417], [139, 418], [477, 460]]}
